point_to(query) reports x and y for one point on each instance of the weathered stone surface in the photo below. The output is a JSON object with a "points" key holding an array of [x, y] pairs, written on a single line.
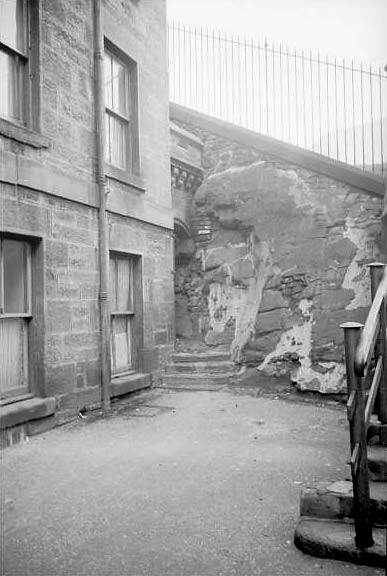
{"points": [[305, 239], [49, 195]]}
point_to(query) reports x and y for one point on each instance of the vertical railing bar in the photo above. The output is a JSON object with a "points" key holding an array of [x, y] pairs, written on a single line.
{"points": [[381, 119], [186, 65], [196, 69], [226, 77], [288, 79], [232, 78], [252, 83], [362, 112], [345, 113], [220, 76], [311, 99], [328, 124], [372, 122], [259, 86], [319, 96], [353, 115], [201, 69], [336, 117], [214, 72], [246, 98], [208, 71], [190, 71], [296, 97], [266, 90], [304, 96], [281, 94], [361, 492], [239, 80], [274, 92]]}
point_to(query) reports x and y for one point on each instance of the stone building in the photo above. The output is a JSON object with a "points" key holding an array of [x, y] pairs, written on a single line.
{"points": [[281, 241], [52, 331]]}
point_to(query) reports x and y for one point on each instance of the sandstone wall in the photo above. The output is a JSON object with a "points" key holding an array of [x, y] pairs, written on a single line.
{"points": [[49, 195], [285, 261]]}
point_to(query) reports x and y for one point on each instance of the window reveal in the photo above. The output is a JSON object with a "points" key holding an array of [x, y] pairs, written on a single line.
{"points": [[121, 145], [15, 315], [122, 314], [13, 60]]}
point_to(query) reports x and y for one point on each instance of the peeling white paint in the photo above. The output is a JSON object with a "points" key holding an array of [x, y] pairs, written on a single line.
{"points": [[298, 339], [357, 275], [227, 302], [245, 323], [301, 193], [236, 170]]}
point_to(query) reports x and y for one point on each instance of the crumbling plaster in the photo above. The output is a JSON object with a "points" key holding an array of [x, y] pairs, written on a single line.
{"points": [[285, 264]]}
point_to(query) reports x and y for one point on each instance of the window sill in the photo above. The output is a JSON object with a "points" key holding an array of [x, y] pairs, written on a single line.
{"points": [[124, 177], [26, 410], [121, 385], [23, 134]]}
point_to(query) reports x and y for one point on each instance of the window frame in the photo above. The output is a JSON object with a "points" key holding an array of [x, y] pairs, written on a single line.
{"points": [[128, 313], [27, 281], [131, 168], [24, 392], [27, 131]]}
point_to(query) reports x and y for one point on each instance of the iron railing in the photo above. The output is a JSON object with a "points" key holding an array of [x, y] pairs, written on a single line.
{"points": [[366, 367], [318, 103]]}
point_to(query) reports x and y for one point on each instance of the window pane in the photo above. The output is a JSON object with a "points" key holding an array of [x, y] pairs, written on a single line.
{"points": [[119, 88], [15, 280], [108, 80], [13, 23], [117, 143], [108, 154], [113, 284], [14, 357], [11, 86], [121, 334], [124, 285]]}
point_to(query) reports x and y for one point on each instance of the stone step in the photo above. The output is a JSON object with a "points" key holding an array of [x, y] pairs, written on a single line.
{"points": [[377, 463], [209, 367], [334, 539], [334, 501], [207, 356], [197, 381]]}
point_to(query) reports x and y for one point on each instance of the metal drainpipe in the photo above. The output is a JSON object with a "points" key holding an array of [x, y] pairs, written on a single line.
{"points": [[102, 218]]}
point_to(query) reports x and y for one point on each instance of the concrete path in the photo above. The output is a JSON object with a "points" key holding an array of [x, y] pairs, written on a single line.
{"points": [[175, 484]]}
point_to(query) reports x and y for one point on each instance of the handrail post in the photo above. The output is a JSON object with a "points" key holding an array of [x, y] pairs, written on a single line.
{"points": [[357, 428], [377, 270]]}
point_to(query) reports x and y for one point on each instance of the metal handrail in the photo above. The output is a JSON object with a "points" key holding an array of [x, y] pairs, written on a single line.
{"points": [[370, 331], [366, 355]]}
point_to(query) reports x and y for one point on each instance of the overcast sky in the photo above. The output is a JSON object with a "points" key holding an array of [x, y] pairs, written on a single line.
{"points": [[344, 28]]}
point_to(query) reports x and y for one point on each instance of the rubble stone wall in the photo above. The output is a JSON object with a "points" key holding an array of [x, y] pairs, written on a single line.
{"points": [[284, 265]]}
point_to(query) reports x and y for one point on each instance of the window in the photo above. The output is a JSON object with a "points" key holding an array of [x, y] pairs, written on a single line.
{"points": [[121, 148], [122, 314], [13, 60], [15, 315]]}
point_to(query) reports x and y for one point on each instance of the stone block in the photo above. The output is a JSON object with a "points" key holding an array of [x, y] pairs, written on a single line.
{"points": [[60, 379], [25, 410], [272, 300], [58, 316], [271, 321]]}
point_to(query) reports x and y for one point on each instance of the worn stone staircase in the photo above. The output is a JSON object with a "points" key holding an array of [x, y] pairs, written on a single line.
{"points": [[199, 370], [326, 524]]}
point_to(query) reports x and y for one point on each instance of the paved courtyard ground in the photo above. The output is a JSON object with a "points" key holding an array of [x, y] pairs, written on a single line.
{"points": [[175, 483]]}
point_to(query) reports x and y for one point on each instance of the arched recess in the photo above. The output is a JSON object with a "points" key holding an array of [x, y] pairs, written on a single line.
{"points": [[184, 245]]}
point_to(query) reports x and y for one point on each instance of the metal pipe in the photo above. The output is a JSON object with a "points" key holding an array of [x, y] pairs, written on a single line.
{"points": [[102, 217]]}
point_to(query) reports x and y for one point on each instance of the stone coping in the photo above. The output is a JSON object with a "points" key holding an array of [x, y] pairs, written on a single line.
{"points": [[26, 410], [367, 181]]}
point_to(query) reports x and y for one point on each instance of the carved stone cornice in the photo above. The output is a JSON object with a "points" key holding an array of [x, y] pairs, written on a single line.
{"points": [[185, 177]]}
